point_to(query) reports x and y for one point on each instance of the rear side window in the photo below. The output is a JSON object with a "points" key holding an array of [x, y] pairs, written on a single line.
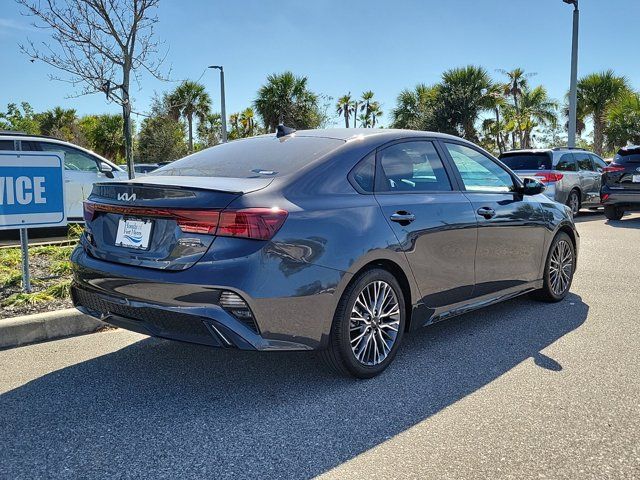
{"points": [[252, 158], [412, 167], [6, 145], [584, 161], [567, 163], [363, 174], [527, 161], [598, 162]]}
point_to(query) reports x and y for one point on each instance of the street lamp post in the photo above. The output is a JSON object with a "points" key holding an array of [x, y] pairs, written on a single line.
{"points": [[573, 88], [223, 113]]}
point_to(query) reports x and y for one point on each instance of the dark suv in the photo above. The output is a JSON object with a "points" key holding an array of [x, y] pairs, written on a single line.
{"points": [[621, 183]]}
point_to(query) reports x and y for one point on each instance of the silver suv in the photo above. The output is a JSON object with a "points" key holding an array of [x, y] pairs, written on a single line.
{"points": [[573, 176]]}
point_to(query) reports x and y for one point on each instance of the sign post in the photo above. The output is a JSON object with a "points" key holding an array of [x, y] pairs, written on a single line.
{"points": [[31, 196]]}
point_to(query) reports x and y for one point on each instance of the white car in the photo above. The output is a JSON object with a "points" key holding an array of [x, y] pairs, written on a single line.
{"points": [[82, 167]]}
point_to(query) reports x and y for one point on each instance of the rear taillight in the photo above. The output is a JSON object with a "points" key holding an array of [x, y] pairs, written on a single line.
{"points": [[253, 223], [88, 211], [613, 167], [196, 221], [547, 177]]}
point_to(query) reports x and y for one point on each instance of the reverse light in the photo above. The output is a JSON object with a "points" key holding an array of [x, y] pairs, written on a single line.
{"points": [[613, 167]]}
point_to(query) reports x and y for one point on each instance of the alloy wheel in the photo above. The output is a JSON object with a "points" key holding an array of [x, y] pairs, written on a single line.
{"points": [[574, 203], [560, 267], [374, 323]]}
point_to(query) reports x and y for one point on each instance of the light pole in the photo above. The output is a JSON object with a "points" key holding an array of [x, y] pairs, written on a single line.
{"points": [[573, 88], [223, 113]]}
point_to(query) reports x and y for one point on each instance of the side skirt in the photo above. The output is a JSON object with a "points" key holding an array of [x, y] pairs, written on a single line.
{"points": [[450, 311]]}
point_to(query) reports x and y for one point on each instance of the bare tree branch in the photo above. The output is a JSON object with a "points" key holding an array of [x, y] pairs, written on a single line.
{"points": [[99, 44]]}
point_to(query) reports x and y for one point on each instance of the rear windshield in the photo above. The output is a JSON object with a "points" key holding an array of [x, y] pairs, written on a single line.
{"points": [[252, 158], [527, 161], [627, 156]]}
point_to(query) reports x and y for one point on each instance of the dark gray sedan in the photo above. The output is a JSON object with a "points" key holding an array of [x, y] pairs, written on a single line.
{"points": [[341, 240]]}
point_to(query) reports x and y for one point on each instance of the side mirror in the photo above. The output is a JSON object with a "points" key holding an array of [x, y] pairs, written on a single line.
{"points": [[532, 187], [106, 169]]}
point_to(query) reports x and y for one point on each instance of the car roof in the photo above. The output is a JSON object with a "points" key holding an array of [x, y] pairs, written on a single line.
{"points": [[347, 134], [22, 135]]}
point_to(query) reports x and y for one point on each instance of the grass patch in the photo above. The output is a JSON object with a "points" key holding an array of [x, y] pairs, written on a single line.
{"points": [[10, 279], [59, 290], [18, 299], [60, 267]]}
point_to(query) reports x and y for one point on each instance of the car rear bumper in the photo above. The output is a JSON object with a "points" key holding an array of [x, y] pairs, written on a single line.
{"points": [[621, 198], [293, 313]]}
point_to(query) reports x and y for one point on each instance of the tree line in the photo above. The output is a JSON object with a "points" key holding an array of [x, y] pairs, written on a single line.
{"points": [[503, 114]]}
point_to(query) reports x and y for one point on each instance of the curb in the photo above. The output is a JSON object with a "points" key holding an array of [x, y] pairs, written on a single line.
{"points": [[41, 327]]}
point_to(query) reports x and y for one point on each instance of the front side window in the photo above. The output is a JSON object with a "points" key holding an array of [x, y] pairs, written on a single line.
{"points": [[567, 163], [412, 167], [479, 172], [74, 159], [584, 162]]}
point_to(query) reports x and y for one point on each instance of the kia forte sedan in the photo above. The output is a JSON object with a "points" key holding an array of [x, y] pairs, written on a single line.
{"points": [[339, 240]]}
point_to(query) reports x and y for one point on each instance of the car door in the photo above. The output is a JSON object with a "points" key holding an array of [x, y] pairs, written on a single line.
{"points": [[433, 221], [589, 178], [80, 173], [511, 229]]}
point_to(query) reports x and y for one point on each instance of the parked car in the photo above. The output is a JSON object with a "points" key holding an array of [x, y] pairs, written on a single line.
{"points": [[621, 183], [340, 240], [144, 168], [572, 176], [82, 167]]}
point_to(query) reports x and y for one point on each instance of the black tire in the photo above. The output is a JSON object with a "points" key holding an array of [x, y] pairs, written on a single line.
{"points": [[549, 292], [613, 213], [573, 202], [339, 355]]}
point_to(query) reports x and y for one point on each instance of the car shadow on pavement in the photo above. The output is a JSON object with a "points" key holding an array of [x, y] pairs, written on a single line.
{"points": [[165, 409], [633, 222]]}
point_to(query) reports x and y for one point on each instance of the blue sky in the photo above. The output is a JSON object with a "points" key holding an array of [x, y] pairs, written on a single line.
{"points": [[348, 45]]}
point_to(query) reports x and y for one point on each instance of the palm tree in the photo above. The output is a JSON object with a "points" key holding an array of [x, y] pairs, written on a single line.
{"points": [[58, 122], [375, 111], [285, 98], [248, 122], [623, 122], [517, 81], [464, 96], [536, 109], [597, 93], [495, 102], [367, 99], [414, 107], [344, 107], [190, 99]]}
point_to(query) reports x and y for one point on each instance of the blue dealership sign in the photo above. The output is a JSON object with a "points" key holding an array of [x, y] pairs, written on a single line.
{"points": [[31, 190]]}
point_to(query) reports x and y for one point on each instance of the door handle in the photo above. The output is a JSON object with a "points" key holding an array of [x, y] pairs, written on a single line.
{"points": [[486, 212], [403, 217]]}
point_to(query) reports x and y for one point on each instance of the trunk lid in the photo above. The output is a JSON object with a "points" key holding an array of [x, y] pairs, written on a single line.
{"points": [[159, 222]]}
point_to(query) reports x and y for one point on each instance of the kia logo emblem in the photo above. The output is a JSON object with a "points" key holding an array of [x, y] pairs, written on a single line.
{"points": [[127, 197]]}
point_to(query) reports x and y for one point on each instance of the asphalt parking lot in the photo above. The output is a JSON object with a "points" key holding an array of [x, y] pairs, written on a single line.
{"points": [[518, 390]]}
